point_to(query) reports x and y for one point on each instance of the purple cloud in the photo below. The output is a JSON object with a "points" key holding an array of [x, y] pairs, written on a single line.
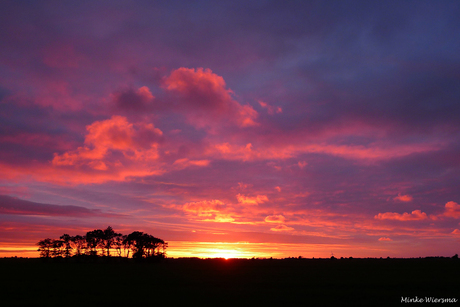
{"points": [[16, 206]]}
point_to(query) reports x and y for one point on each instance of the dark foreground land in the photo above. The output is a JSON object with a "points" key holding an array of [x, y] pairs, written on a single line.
{"points": [[219, 282]]}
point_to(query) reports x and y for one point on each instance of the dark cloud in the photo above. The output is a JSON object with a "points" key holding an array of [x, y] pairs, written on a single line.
{"points": [[12, 205], [133, 100]]}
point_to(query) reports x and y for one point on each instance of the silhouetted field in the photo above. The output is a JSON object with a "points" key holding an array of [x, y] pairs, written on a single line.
{"points": [[219, 282]]}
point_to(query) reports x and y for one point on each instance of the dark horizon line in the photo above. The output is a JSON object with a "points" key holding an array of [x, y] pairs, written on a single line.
{"points": [[235, 258]]}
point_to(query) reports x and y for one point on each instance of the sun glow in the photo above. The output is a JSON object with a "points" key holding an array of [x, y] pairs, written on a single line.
{"points": [[247, 250], [18, 250], [215, 250], [225, 253]]}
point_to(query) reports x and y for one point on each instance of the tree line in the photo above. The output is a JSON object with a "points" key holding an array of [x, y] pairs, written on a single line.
{"points": [[104, 243]]}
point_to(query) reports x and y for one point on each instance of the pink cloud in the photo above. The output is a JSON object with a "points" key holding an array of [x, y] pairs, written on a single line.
{"points": [[452, 209], [206, 98], [209, 211], [270, 109], [456, 232], [78, 174], [374, 152], [204, 207], [416, 215], [385, 239], [275, 219], [135, 141], [403, 198], [274, 151], [246, 200], [281, 228], [185, 162], [114, 149], [246, 152], [302, 164]]}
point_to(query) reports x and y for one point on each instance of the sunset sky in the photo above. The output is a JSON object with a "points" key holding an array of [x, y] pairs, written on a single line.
{"points": [[233, 128]]}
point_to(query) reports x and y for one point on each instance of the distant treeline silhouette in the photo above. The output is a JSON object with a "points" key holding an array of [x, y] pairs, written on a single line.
{"points": [[103, 243]]}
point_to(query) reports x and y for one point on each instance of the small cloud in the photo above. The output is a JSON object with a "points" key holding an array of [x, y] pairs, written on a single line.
{"points": [[456, 232], [246, 200], [416, 215], [282, 228], [273, 164], [204, 207], [385, 239], [208, 211], [183, 163], [278, 189], [270, 109], [263, 104], [244, 186], [302, 164], [223, 218], [403, 198], [136, 100], [275, 219], [452, 209]]}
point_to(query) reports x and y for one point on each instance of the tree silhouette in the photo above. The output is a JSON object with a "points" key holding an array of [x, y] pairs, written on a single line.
{"points": [[94, 240], [144, 245], [137, 245], [118, 243], [67, 240], [109, 238], [126, 246], [79, 242], [153, 246], [135, 242], [57, 248], [44, 247]]}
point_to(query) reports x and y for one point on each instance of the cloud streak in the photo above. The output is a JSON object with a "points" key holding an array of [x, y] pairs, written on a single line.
{"points": [[416, 215], [16, 206]]}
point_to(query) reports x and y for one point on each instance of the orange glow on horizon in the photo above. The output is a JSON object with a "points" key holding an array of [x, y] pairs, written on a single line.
{"points": [[384, 247], [178, 249]]}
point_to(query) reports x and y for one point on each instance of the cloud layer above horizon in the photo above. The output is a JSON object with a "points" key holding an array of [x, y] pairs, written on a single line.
{"points": [[290, 122]]}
